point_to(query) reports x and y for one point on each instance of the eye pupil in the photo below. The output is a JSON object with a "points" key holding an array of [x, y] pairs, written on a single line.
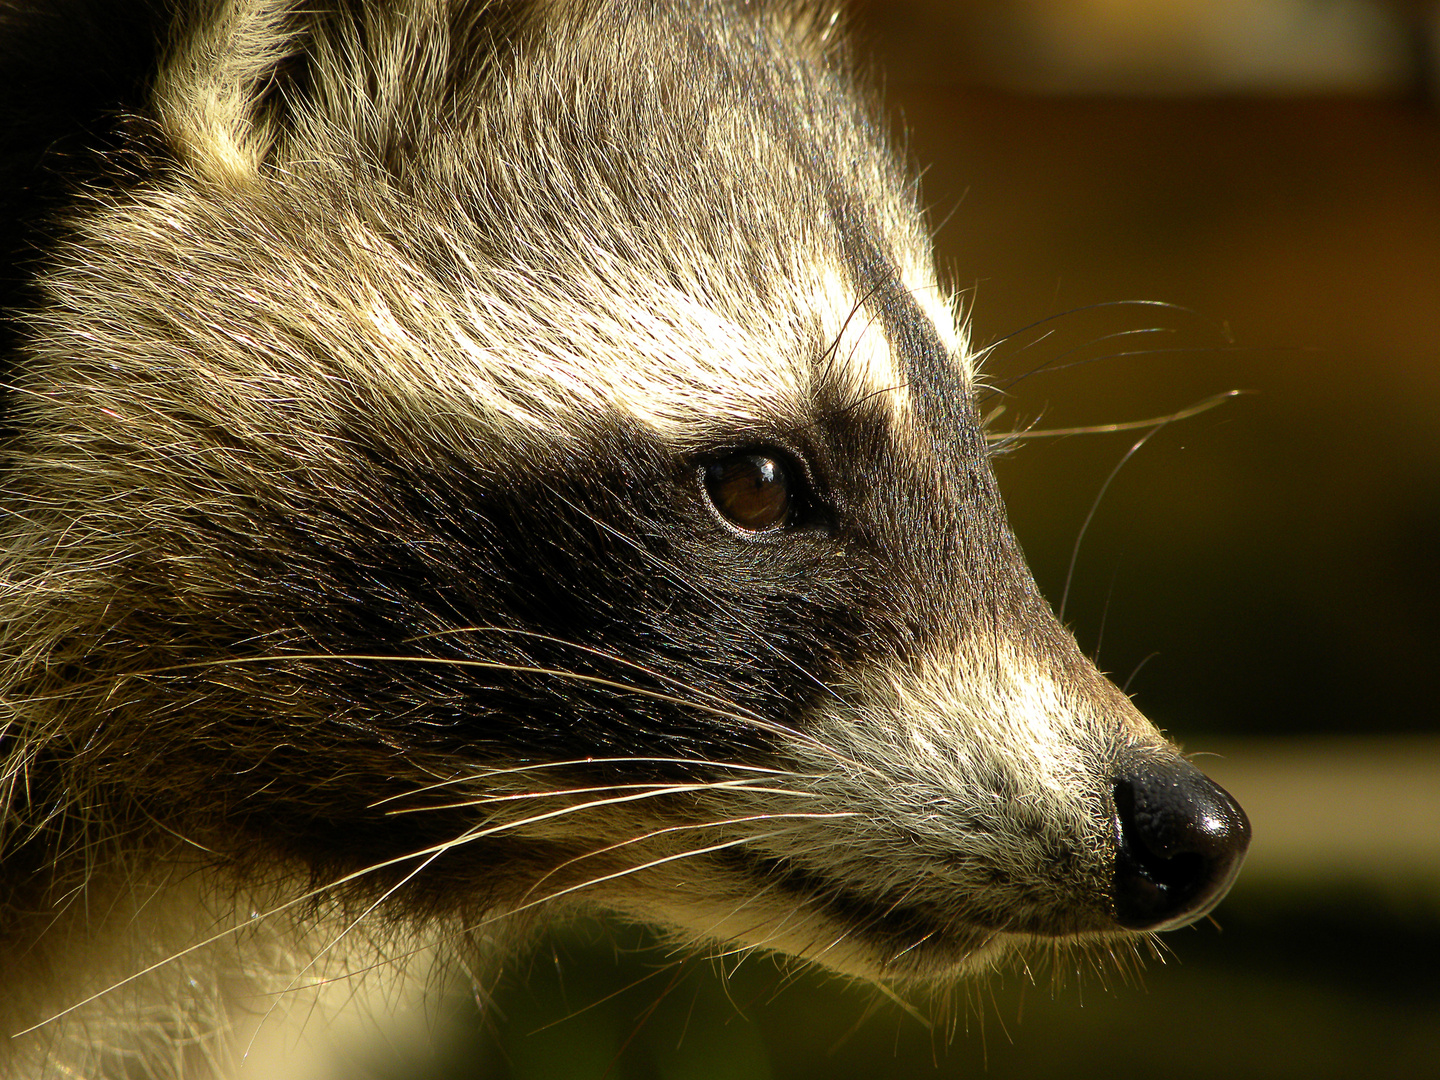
{"points": [[751, 491]]}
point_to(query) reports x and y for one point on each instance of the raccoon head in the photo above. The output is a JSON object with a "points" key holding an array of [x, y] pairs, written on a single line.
{"points": [[515, 455]]}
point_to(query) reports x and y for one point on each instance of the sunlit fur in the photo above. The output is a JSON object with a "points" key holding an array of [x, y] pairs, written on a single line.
{"points": [[360, 597]]}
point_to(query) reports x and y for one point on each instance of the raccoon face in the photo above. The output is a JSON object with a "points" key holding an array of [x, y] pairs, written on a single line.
{"points": [[560, 483]]}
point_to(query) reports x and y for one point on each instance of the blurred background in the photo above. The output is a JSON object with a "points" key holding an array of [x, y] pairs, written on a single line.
{"points": [[1147, 203]]}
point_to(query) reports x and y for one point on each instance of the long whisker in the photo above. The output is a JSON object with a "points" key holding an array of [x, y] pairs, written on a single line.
{"points": [[626, 872], [294, 983], [833, 349], [904, 1006], [427, 854], [684, 582], [669, 829], [1129, 425], [420, 867], [590, 650], [595, 1003], [1095, 506], [668, 788], [221, 935], [1053, 363], [754, 720], [509, 912], [536, 766], [1098, 306]]}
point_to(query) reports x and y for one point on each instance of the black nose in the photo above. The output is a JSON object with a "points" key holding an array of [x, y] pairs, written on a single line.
{"points": [[1179, 842]]}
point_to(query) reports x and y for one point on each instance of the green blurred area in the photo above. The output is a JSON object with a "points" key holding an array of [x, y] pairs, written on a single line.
{"points": [[1343, 987]]}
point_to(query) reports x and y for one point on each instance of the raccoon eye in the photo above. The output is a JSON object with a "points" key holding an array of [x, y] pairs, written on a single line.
{"points": [[750, 491]]}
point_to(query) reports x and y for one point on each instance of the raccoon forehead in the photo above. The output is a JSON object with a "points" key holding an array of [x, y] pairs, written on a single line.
{"points": [[687, 326], [672, 248], [336, 313], [679, 365]]}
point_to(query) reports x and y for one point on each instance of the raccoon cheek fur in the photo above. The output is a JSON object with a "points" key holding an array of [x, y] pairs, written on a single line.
{"points": [[470, 459]]}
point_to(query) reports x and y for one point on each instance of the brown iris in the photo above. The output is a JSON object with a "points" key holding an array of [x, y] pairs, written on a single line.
{"points": [[750, 491]]}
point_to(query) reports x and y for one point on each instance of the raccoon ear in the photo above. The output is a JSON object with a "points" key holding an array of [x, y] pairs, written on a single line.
{"points": [[211, 90], [246, 75]]}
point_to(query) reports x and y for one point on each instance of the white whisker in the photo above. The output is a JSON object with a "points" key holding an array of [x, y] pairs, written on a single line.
{"points": [[672, 829], [530, 767], [753, 720]]}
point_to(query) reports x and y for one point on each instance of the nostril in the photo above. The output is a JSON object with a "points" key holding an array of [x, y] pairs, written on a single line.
{"points": [[1179, 842]]}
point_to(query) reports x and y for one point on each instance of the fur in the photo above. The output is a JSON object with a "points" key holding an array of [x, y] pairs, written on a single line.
{"points": [[364, 583]]}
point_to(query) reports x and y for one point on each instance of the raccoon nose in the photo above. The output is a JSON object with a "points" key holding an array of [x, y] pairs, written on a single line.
{"points": [[1179, 842]]}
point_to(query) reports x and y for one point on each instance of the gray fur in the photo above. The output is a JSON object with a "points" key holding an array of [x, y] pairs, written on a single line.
{"points": [[357, 584]]}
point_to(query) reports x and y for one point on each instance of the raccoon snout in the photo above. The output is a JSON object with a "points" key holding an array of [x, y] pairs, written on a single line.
{"points": [[1179, 842]]}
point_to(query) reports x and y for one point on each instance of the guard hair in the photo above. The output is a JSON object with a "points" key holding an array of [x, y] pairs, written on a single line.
{"points": [[471, 461]]}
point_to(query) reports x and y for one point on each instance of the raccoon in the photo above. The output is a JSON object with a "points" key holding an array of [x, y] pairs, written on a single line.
{"points": [[472, 460]]}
